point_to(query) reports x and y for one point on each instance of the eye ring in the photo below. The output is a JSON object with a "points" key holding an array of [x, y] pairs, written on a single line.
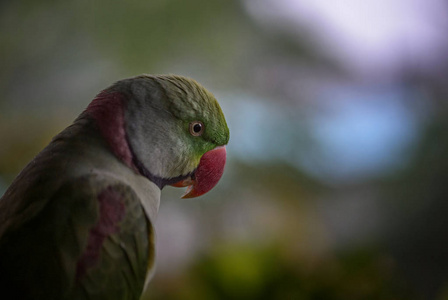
{"points": [[197, 128]]}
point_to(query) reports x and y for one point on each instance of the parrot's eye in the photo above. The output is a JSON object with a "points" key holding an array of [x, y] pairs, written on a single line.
{"points": [[196, 128]]}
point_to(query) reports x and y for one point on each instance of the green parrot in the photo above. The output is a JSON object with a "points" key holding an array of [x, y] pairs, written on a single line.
{"points": [[77, 222]]}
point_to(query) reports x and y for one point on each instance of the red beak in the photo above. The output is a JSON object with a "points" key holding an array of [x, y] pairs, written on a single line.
{"points": [[207, 175]]}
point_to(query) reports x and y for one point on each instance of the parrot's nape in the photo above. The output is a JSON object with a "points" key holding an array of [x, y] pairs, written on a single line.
{"points": [[77, 222]]}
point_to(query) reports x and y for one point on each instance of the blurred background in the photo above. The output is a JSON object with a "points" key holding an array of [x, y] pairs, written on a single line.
{"points": [[336, 183]]}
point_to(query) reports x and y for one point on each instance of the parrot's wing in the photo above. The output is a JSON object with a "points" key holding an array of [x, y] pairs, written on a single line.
{"points": [[89, 242]]}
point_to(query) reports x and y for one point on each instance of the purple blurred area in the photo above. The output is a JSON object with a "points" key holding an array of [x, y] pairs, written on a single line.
{"points": [[335, 184]]}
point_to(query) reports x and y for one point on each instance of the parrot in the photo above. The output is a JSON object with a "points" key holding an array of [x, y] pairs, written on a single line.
{"points": [[78, 220]]}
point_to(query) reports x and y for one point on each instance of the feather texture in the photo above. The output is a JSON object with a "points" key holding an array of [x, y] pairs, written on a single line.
{"points": [[71, 222], [76, 223]]}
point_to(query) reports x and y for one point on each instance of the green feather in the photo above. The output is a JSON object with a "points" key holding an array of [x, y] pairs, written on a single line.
{"points": [[48, 213], [47, 223]]}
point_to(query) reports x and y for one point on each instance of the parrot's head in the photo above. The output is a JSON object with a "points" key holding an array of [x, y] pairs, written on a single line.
{"points": [[175, 130]]}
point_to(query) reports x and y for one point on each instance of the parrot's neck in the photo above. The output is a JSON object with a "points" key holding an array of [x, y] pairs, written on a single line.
{"points": [[107, 109], [89, 153]]}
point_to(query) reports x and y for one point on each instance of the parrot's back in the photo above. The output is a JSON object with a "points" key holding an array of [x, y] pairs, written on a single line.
{"points": [[70, 228]]}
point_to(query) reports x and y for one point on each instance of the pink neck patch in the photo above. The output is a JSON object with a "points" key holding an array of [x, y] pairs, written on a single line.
{"points": [[108, 111]]}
